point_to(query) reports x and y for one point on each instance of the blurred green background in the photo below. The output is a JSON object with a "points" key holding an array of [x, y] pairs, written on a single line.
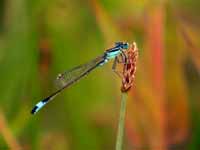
{"points": [[41, 38]]}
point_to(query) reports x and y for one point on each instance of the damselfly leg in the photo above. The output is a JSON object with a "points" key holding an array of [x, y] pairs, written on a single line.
{"points": [[121, 59]]}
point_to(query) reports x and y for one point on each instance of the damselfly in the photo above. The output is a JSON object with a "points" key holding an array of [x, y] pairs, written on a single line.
{"points": [[69, 77]]}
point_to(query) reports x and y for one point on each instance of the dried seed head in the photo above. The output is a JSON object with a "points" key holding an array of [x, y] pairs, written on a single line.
{"points": [[129, 67]]}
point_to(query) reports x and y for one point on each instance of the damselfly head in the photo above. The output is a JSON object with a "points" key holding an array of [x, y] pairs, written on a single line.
{"points": [[125, 45]]}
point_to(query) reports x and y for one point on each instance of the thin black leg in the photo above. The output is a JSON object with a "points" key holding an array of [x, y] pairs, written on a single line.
{"points": [[114, 66]]}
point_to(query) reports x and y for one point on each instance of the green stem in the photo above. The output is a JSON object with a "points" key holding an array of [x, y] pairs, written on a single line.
{"points": [[121, 123]]}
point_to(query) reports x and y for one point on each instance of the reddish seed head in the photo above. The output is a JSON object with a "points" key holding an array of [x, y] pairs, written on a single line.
{"points": [[129, 67]]}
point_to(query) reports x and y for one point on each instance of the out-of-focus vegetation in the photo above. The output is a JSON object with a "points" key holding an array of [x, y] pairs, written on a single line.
{"points": [[41, 38]]}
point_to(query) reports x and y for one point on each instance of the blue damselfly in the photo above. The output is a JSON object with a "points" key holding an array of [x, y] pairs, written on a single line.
{"points": [[69, 77]]}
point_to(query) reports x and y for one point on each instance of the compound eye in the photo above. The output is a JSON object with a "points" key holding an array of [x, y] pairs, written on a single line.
{"points": [[125, 46]]}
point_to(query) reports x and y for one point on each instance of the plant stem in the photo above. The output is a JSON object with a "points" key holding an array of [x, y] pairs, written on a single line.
{"points": [[121, 123]]}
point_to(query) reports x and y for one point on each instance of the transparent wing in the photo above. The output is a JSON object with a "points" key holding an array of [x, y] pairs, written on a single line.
{"points": [[68, 78], [71, 75]]}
